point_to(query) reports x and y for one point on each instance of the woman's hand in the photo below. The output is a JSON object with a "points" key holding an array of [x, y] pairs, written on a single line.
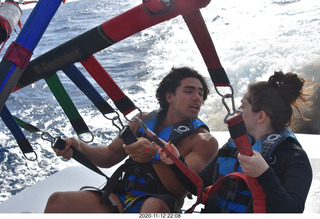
{"points": [[254, 165]]}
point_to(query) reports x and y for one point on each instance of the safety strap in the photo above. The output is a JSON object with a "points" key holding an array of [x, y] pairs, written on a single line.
{"points": [[26, 125], [129, 137], [60, 144], [211, 190], [86, 87], [22, 141], [67, 105], [206, 47], [78, 156], [240, 136], [123, 103]]}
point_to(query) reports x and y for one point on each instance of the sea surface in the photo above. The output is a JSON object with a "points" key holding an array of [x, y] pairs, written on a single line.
{"points": [[252, 38]]}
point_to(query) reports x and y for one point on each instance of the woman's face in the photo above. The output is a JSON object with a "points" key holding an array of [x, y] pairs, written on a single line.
{"points": [[250, 118]]}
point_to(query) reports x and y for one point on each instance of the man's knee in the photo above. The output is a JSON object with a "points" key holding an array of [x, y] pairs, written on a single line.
{"points": [[55, 203], [154, 205]]}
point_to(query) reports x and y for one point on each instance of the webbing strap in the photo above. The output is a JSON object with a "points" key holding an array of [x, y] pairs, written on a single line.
{"points": [[86, 87], [37, 23], [67, 105], [190, 174], [129, 137], [60, 144], [78, 156], [206, 47], [240, 136], [123, 103], [13, 126], [26, 126]]}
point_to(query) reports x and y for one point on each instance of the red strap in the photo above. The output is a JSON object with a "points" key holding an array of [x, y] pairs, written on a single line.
{"points": [[240, 136], [138, 18], [195, 178], [259, 199], [108, 85], [205, 45], [18, 55]]}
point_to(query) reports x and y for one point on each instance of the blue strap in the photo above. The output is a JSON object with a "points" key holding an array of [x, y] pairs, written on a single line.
{"points": [[86, 87], [13, 126], [37, 23]]}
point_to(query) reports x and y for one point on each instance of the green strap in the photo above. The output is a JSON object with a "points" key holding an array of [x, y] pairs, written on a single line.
{"points": [[26, 126], [67, 105]]}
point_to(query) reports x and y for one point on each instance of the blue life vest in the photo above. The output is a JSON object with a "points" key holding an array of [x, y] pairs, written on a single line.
{"points": [[141, 179], [176, 131], [235, 197]]}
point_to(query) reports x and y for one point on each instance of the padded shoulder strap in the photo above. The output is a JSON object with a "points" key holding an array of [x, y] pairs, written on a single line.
{"points": [[259, 198]]}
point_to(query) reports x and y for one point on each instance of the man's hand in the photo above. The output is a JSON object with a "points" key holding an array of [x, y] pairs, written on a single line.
{"points": [[141, 151], [67, 152]]}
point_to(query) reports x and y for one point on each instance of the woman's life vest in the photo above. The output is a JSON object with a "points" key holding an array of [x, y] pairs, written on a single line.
{"points": [[233, 194]]}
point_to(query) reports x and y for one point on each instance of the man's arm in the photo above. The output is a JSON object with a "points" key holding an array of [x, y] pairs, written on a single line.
{"points": [[102, 156], [197, 150]]}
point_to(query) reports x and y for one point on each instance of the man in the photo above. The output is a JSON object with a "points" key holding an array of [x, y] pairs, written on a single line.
{"points": [[180, 94]]}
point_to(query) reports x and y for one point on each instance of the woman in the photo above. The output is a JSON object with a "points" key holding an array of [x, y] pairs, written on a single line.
{"points": [[279, 163]]}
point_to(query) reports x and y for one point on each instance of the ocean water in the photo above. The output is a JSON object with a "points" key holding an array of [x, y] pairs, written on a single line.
{"points": [[252, 38]]}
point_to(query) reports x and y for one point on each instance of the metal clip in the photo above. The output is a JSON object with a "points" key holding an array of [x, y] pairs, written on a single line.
{"points": [[120, 122], [230, 111], [140, 115], [47, 137], [150, 134]]}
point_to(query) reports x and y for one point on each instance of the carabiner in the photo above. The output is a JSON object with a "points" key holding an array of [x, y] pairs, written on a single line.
{"points": [[230, 111], [47, 137], [105, 116], [120, 122], [150, 134], [140, 115]]}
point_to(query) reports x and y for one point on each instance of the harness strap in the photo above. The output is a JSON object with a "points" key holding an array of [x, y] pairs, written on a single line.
{"points": [[26, 126], [128, 137], [123, 103], [112, 182], [228, 152], [206, 47], [240, 136], [60, 144], [86, 87], [238, 132], [13, 126], [78, 156], [67, 105]]}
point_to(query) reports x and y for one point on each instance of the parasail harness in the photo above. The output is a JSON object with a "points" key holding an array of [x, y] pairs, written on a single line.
{"points": [[203, 40]]}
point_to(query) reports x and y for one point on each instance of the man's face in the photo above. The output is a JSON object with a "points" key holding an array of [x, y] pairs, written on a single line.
{"points": [[187, 100]]}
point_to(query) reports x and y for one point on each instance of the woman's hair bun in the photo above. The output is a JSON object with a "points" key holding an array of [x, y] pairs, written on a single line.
{"points": [[289, 85]]}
